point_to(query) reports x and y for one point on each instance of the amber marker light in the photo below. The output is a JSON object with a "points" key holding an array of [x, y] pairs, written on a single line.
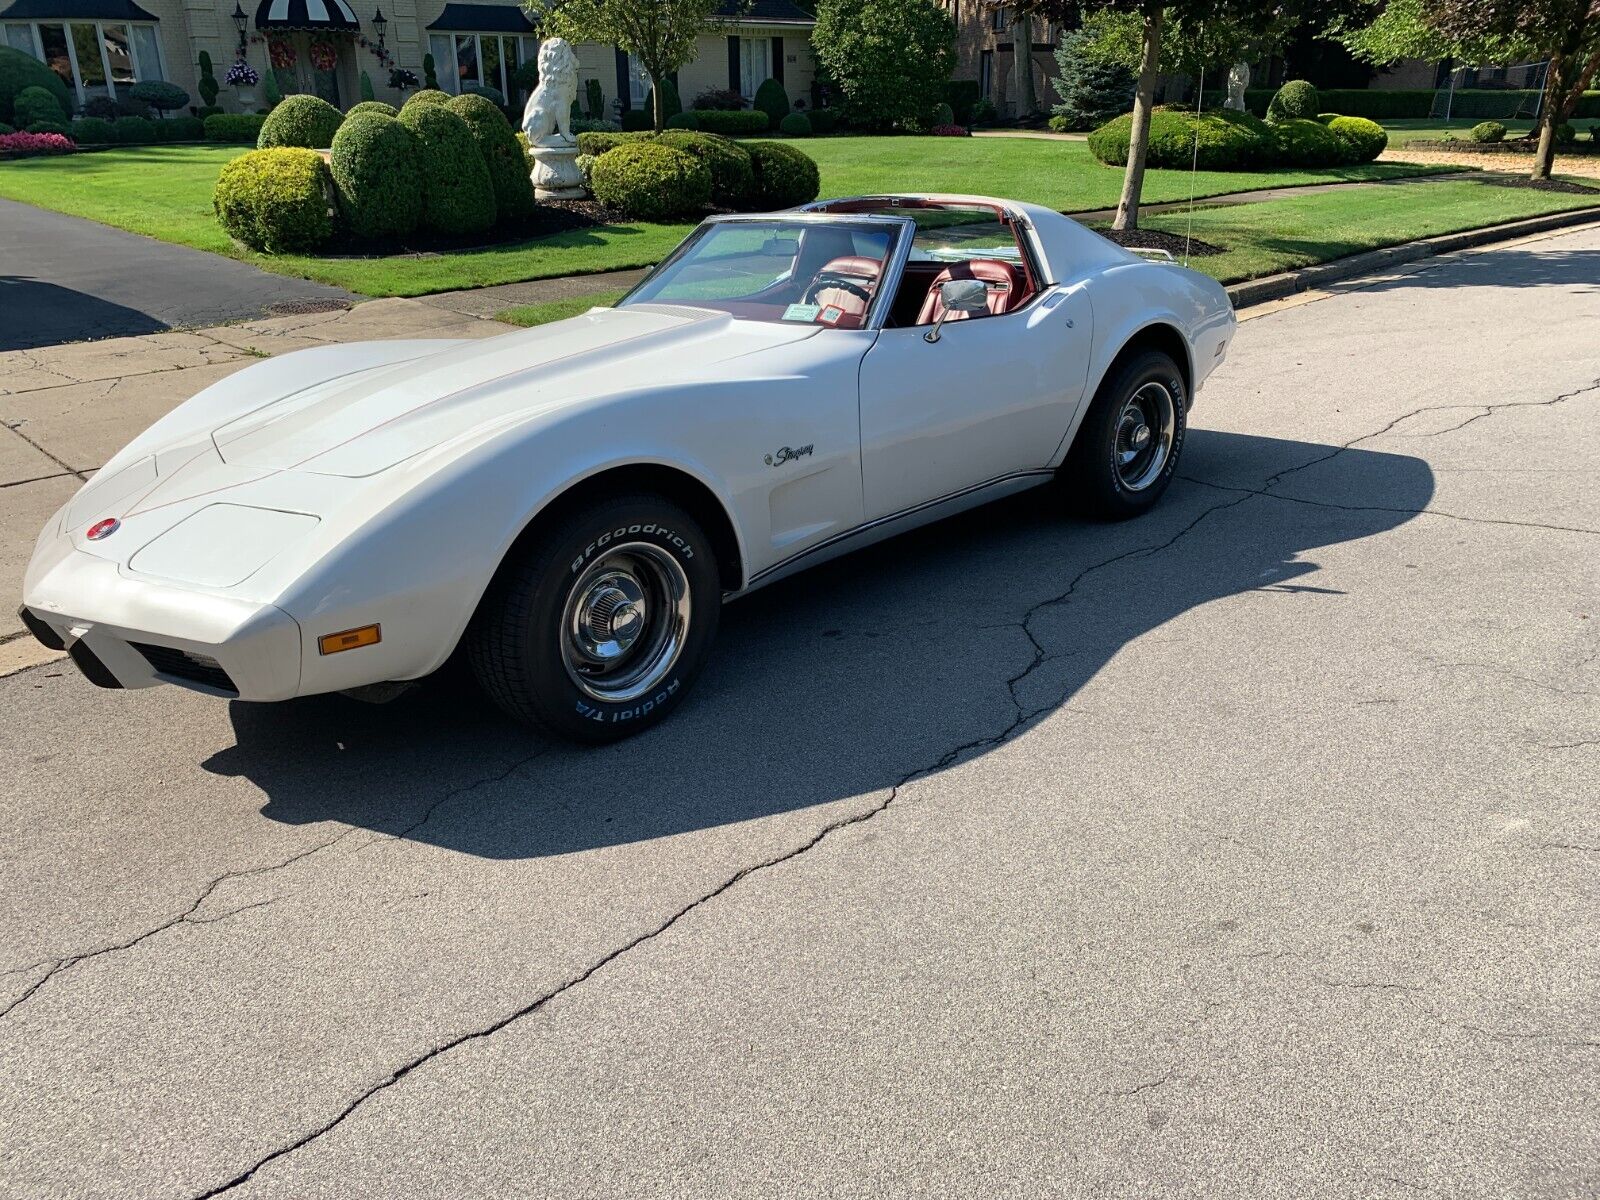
{"points": [[350, 639]]}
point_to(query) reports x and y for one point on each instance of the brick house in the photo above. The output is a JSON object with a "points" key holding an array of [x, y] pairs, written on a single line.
{"points": [[986, 52], [323, 46]]}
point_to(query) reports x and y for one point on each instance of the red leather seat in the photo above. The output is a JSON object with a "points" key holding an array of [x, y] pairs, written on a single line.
{"points": [[1005, 281], [851, 303]]}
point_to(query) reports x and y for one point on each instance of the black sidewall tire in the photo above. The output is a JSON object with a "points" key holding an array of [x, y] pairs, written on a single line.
{"points": [[516, 647], [1090, 473]]}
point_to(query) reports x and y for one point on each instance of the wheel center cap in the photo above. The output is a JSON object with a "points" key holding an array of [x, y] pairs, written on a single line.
{"points": [[613, 616], [1139, 436]]}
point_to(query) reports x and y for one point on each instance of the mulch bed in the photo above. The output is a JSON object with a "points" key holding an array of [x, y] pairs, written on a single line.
{"points": [[1152, 239], [1499, 179], [1518, 145]]}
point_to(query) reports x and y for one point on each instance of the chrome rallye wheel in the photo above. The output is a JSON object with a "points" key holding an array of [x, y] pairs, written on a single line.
{"points": [[1127, 448], [599, 629]]}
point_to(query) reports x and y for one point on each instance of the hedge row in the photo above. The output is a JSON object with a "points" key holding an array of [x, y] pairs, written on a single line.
{"points": [[1225, 140], [681, 171], [1417, 103], [136, 131]]}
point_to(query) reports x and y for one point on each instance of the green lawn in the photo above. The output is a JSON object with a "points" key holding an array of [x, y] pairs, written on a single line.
{"points": [[165, 192], [1403, 131], [1279, 235]]}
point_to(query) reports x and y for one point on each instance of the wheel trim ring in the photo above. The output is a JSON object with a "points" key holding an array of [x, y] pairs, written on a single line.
{"points": [[654, 651], [1151, 406]]}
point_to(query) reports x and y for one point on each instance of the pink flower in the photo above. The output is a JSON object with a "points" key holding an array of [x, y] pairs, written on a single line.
{"points": [[950, 131], [36, 143]]}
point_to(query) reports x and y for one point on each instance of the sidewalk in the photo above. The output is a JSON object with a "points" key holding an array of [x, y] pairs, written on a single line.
{"points": [[66, 409]]}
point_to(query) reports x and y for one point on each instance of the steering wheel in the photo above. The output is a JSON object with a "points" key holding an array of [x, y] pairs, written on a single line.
{"points": [[834, 279]]}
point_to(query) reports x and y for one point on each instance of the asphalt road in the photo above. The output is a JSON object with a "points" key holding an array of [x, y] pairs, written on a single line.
{"points": [[1246, 850], [63, 279]]}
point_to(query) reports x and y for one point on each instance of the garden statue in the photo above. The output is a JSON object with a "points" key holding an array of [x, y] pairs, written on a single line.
{"points": [[548, 123], [1238, 80]]}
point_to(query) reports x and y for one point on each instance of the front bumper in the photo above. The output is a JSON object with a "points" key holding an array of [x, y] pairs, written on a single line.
{"points": [[131, 633]]}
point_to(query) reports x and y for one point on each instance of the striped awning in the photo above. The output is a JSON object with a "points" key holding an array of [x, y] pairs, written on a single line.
{"points": [[306, 14]]}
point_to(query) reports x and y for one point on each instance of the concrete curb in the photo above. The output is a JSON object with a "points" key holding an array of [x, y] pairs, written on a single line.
{"points": [[1276, 287]]}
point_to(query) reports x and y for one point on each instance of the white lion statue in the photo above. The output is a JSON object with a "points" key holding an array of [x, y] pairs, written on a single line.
{"points": [[548, 118]]}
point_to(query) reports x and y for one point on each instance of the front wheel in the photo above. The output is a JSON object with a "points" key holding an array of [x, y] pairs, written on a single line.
{"points": [[598, 631], [1127, 448]]}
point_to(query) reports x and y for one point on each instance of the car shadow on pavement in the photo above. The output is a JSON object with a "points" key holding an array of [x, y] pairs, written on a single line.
{"points": [[47, 314], [842, 681]]}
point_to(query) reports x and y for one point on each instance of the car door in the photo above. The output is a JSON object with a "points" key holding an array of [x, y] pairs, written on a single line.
{"points": [[992, 397]]}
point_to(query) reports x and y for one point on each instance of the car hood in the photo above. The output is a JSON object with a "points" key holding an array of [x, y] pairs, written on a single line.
{"points": [[363, 422]]}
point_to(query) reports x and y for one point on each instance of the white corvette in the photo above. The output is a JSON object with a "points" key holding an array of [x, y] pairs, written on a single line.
{"points": [[571, 505]]}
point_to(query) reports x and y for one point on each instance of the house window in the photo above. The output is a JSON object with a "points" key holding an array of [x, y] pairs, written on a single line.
{"points": [[1002, 20], [985, 72], [638, 83], [466, 61], [481, 59], [755, 65], [91, 57]]}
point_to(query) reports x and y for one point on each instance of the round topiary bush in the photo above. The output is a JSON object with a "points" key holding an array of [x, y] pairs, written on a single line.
{"points": [[943, 114], [651, 181], [458, 195], [93, 131], [134, 131], [732, 176], [1228, 140], [276, 201], [1303, 143], [60, 127], [1487, 132], [373, 106], [425, 97], [772, 100], [376, 176], [36, 104], [159, 95], [684, 120], [508, 172], [1566, 134], [306, 121], [1296, 100], [785, 177], [796, 124], [18, 72], [1366, 139], [598, 142]]}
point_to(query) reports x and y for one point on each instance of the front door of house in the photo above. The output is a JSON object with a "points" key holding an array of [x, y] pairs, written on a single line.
{"points": [[315, 70]]}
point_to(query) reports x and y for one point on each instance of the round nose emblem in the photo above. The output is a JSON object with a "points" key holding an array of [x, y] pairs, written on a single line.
{"points": [[103, 529]]}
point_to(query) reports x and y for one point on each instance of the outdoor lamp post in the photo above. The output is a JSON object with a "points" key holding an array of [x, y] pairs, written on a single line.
{"points": [[240, 22], [380, 23]]}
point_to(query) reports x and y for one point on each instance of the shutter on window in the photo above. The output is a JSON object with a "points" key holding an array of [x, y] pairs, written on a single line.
{"points": [[733, 64], [777, 59]]}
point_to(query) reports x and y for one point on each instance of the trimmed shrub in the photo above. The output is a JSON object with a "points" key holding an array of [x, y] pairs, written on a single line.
{"points": [[181, 129], [1487, 132], [772, 100], [722, 99], [306, 121], [1303, 143], [796, 124], [1228, 140], [784, 176], [943, 114], [5, 129], [1565, 134], [270, 89], [1365, 138], [637, 120], [960, 95], [276, 200], [428, 95], [1296, 100], [731, 123], [430, 80], [651, 182], [491, 94], [594, 99], [207, 83], [108, 109], [598, 143], [134, 131], [159, 95], [508, 173], [669, 93], [372, 106], [19, 71], [732, 176], [824, 120], [366, 89], [13, 144], [585, 164], [984, 112], [36, 104], [93, 131], [458, 195], [376, 177], [684, 120], [60, 127], [590, 125], [233, 127]]}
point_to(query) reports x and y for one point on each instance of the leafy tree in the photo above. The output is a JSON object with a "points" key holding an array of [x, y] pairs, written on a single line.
{"points": [[208, 81], [890, 59], [661, 33], [1093, 90], [1564, 32]]}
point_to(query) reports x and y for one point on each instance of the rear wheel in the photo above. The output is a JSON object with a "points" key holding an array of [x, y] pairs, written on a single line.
{"points": [[599, 630], [1127, 448]]}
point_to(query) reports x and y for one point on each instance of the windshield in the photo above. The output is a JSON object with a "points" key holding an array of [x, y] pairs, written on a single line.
{"points": [[806, 272]]}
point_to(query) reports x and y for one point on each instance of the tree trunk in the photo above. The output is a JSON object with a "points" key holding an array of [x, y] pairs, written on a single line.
{"points": [[1549, 117], [1139, 135], [1022, 63], [659, 103]]}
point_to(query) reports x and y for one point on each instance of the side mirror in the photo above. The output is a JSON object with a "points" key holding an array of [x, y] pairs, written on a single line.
{"points": [[970, 296]]}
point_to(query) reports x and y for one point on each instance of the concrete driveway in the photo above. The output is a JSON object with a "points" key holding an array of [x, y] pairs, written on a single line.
{"points": [[1246, 850], [64, 279]]}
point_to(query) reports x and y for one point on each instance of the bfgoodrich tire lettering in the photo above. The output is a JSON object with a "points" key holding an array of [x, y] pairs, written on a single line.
{"points": [[599, 629], [1128, 446]]}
